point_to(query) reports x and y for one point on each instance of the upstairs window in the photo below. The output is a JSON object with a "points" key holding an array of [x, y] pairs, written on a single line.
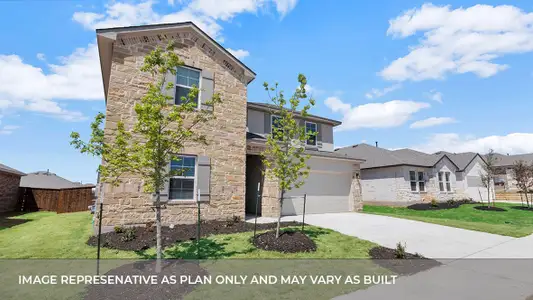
{"points": [[275, 126], [311, 128], [182, 182], [186, 78]]}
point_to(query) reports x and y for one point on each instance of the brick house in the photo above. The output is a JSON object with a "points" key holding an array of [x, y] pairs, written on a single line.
{"points": [[9, 186], [222, 170]]}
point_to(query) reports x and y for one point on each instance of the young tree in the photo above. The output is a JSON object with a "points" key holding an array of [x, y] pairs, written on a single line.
{"points": [[523, 174], [284, 157], [488, 173]]}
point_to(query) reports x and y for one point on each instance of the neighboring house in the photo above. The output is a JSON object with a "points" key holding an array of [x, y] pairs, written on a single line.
{"points": [[9, 186], [225, 171], [504, 164], [406, 176], [43, 190]]}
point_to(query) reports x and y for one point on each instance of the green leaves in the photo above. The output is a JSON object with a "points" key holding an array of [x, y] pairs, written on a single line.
{"points": [[284, 156]]}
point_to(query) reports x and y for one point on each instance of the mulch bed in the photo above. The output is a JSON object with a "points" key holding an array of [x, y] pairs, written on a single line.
{"points": [[148, 291], [523, 208], [440, 205], [145, 237], [492, 208], [411, 264], [288, 242]]}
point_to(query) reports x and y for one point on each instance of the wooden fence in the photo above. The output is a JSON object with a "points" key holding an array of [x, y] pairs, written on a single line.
{"points": [[60, 201], [509, 196]]}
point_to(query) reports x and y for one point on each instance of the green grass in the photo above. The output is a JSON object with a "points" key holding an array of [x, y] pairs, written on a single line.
{"points": [[50, 235], [513, 222]]}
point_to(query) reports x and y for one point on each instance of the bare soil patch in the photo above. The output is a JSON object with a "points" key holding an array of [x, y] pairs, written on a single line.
{"points": [[288, 242], [143, 238], [410, 264], [523, 208], [148, 291], [439, 205], [492, 208]]}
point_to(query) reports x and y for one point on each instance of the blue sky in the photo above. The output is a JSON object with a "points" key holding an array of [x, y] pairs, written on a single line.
{"points": [[453, 75]]}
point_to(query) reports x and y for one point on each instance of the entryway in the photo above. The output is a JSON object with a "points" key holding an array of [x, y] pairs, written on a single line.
{"points": [[254, 181]]}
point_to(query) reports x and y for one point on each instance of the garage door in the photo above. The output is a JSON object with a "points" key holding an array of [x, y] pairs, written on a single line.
{"points": [[327, 189], [475, 189]]}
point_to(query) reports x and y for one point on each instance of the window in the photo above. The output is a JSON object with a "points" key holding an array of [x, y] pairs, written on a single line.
{"points": [[448, 184], [417, 181], [275, 125], [311, 127], [421, 182], [441, 182], [182, 181], [412, 178], [185, 79]]}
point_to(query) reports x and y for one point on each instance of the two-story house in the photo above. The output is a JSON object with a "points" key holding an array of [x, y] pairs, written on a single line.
{"points": [[226, 170]]}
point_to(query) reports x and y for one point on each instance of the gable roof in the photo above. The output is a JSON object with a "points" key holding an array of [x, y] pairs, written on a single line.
{"points": [[270, 107], [107, 36], [47, 180], [378, 157], [9, 170]]}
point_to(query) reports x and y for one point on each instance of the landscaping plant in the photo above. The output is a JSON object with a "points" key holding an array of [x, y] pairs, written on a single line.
{"points": [[488, 174], [400, 250], [523, 174], [284, 157]]}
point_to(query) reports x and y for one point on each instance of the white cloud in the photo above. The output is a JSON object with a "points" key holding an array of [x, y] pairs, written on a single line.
{"points": [[374, 115], [459, 40], [375, 93], [204, 13], [41, 56], [75, 77], [239, 53], [433, 121], [435, 96], [513, 143], [8, 129]]}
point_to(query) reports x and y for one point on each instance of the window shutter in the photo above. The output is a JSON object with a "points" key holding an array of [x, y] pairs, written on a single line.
{"points": [[268, 123], [207, 88], [319, 135], [164, 192], [204, 177], [169, 77]]}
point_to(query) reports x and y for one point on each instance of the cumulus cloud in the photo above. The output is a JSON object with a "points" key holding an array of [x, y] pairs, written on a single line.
{"points": [[433, 121], [462, 40], [239, 53], [376, 93], [513, 143], [75, 77], [374, 115]]}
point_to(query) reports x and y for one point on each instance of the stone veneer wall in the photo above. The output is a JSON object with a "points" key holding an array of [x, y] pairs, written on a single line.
{"points": [[128, 204], [9, 186]]}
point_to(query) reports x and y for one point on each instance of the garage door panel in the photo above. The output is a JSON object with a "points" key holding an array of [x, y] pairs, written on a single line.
{"points": [[315, 204], [324, 184]]}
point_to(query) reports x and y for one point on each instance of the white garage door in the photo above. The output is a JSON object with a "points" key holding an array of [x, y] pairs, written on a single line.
{"points": [[475, 189], [327, 189]]}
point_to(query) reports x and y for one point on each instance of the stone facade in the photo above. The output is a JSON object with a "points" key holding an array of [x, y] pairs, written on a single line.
{"points": [[9, 186], [128, 204]]}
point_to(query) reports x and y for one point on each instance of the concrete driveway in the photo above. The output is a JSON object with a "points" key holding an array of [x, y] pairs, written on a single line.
{"points": [[430, 240]]}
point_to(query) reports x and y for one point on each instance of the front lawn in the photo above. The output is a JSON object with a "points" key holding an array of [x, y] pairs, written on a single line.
{"points": [[512, 222]]}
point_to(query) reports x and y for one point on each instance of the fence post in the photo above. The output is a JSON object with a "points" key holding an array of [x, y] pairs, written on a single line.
{"points": [[256, 206], [198, 226], [303, 217], [99, 236]]}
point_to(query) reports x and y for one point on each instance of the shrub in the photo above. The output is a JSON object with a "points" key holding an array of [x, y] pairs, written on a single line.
{"points": [[451, 202], [434, 203], [129, 234], [232, 221], [118, 229], [400, 250]]}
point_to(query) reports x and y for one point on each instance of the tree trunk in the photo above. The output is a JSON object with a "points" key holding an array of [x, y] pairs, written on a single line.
{"points": [[280, 208], [527, 199], [488, 195], [158, 229]]}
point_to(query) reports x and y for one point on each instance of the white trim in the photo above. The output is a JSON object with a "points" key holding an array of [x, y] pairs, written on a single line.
{"points": [[195, 177], [316, 135], [199, 105]]}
